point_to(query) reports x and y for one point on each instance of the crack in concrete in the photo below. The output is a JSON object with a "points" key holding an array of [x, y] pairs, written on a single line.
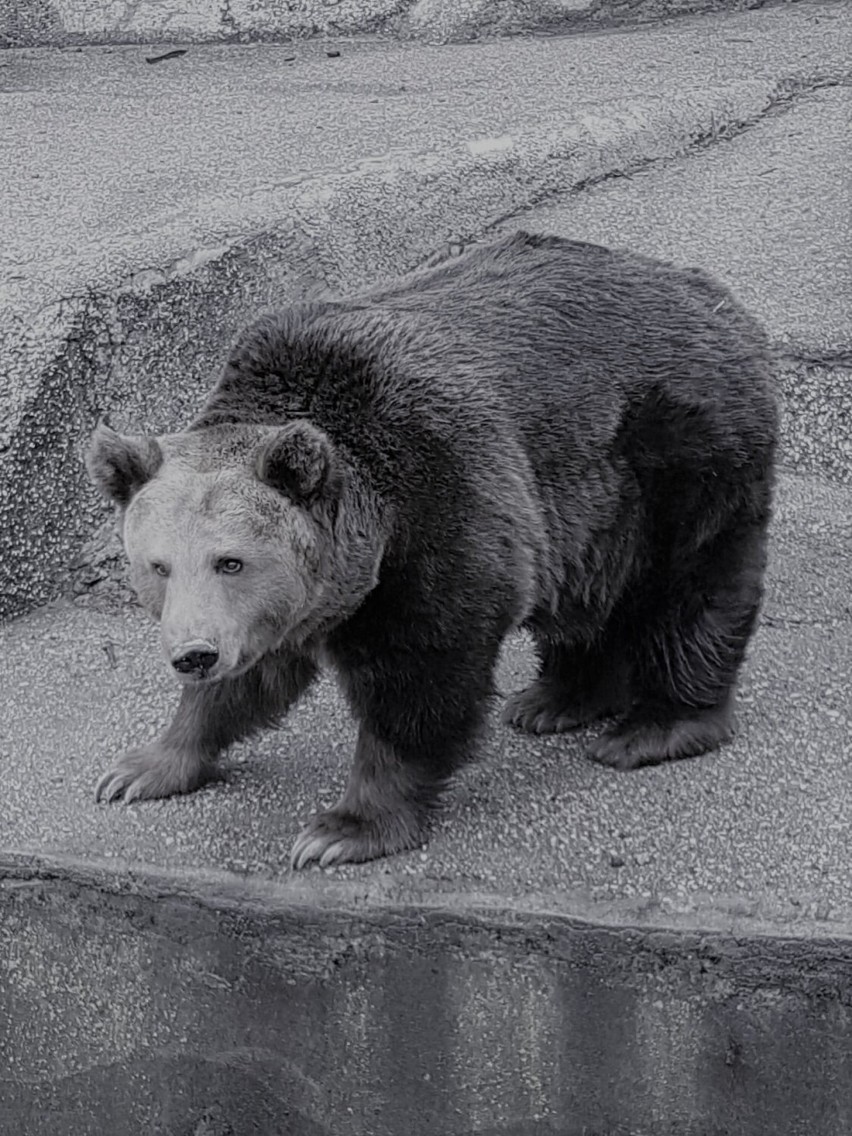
{"points": [[786, 93], [144, 279], [839, 358], [784, 622], [228, 20]]}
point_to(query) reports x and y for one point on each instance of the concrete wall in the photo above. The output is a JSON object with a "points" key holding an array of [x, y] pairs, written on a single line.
{"points": [[148, 353], [26, 23], [139, 1013], [59, 22]]}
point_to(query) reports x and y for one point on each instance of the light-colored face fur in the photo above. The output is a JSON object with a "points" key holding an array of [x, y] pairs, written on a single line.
{"points": [[231, 565]]}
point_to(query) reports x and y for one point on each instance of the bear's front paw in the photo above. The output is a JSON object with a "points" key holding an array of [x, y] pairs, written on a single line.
{"points": [[151, 771], [339, 836]]}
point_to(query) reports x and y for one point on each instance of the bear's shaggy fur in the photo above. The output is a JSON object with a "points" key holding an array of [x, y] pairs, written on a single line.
{"points": [[540, 433]]}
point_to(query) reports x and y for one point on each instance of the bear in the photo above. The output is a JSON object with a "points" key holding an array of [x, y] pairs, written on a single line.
{"points": [[539, 434]]}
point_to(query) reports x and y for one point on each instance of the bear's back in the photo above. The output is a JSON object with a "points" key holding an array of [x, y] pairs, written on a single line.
{"points": [[565, 348], [540, 305], [573, 342]]}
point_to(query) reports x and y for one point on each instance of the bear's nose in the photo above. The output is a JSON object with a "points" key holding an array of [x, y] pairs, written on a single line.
{"points": [[201, 659]]}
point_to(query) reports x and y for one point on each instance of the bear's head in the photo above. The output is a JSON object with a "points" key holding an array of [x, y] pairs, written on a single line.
{"points": [[241, 539]]}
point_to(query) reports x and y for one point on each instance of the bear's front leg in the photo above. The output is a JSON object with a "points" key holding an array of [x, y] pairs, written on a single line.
{"points": [[383, 811], [210, 716], [419, 697]]}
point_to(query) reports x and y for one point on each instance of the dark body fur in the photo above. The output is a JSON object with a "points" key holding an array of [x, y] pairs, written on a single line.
{"points": [[553, 435], [541, 433]]}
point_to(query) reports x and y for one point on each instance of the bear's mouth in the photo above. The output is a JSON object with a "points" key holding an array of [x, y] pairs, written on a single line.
{"points": [[198, 678], [220, 672]]}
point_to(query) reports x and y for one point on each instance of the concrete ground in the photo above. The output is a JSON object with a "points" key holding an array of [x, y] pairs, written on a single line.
{"points": [[756, 837], [575, 950]]}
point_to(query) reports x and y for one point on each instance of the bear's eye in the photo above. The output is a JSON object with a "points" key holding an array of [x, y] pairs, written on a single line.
{"points": [[160, 569], [230, 566]]}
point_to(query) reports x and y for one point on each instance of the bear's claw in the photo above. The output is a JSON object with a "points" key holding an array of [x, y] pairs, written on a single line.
{"points": [[340, 837], [148, 772], [110, 787], [308, 849]]}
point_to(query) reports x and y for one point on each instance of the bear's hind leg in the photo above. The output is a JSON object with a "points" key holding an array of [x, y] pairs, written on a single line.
{"points": [[688, 654], [577, 684], [209, 718]]}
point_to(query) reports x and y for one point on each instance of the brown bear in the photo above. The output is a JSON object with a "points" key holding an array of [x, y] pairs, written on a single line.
{"points": [[541, 433]]}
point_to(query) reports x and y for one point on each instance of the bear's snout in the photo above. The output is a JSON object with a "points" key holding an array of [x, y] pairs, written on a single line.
{"points": [[195, 659]]}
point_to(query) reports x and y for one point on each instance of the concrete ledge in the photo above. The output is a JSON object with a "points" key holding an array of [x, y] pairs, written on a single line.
{"points": [[86, 353], [138, 1009], [60, 23]]}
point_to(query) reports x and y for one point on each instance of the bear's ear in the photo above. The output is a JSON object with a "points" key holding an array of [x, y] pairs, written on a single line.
{"points": [[119, 465], [299, 461]]}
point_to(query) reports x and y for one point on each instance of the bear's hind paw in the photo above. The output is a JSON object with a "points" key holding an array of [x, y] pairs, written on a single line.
{"points": [[632, 745], [542, 710], [339, 836]]}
